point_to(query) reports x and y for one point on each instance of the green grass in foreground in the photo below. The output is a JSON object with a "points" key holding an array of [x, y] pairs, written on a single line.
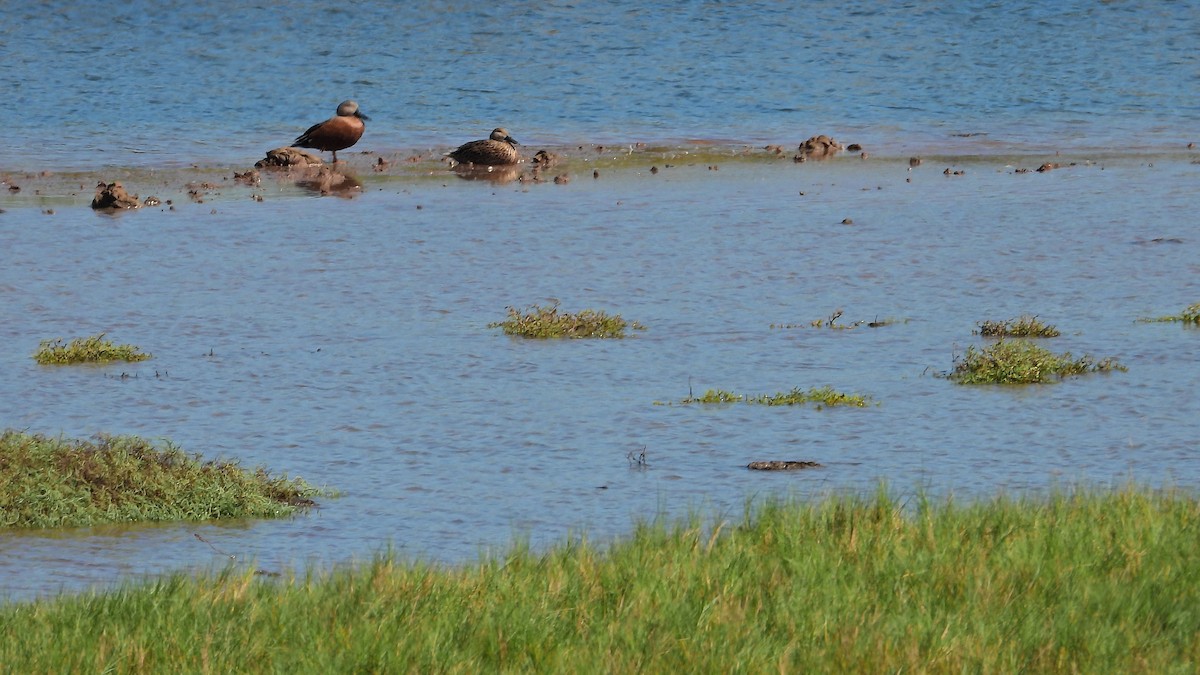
{"points": [[1087, 582], [822, 396], [53, 482], [1022, 362], [548, 322], [1189, 315], [92, 349]]}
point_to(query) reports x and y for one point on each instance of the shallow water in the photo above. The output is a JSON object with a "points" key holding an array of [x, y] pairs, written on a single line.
{"points": [[346, 340]]}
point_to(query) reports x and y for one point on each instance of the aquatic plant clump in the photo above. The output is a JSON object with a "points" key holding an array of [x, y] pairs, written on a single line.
{"points": [[548, 322], [1022, 327], [715, 396], [55, 482], [93, 349], [1022, 362], [822, 396], [832, 322], [1190, 315]]}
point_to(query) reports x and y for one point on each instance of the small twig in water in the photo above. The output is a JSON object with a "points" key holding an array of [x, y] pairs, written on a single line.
{"points": [[638, 460], [210, 545]]}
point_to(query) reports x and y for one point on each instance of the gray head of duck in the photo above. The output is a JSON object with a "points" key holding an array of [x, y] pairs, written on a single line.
{"points": [[499, 134], [350, 109]]}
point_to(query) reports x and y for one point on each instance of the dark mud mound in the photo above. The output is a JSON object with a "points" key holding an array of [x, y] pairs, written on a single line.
{"points": [[820, 146], [283, 158], [112, 196]]}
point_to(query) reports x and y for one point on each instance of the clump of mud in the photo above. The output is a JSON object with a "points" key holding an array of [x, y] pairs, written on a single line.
{"points": [[820, 146], [287, 157], [112, 196]]}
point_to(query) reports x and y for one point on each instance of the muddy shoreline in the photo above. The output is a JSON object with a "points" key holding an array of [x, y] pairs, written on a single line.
{"points": [[356, 172]]}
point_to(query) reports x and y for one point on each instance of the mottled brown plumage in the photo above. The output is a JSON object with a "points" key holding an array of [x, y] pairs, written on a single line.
{"points": [[336, 133], [498, 150]]}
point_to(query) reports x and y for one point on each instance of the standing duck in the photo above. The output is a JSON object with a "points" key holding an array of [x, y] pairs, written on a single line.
{"points": [[499, 149], [336, 133]]}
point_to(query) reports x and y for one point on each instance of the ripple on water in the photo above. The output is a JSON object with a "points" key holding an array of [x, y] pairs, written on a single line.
{"points": [[374, 372]]}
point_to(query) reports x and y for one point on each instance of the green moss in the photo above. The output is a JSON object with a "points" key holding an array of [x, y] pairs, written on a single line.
{"points": [[822, 396], [55, 482], [93, 349], [1190, 315], [1022, 362], [1023, 327], [548, 322]]}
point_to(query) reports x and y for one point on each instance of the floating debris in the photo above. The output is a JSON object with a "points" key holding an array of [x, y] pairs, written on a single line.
{"points": [[782, 465]]}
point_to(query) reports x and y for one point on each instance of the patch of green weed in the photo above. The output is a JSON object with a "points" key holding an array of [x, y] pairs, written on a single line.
{"points": [[548, 322], [1022, 362], [92, 349], [1023, 327]]}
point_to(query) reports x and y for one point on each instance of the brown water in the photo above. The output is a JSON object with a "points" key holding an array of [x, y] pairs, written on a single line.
{"points": [[346, 341]]}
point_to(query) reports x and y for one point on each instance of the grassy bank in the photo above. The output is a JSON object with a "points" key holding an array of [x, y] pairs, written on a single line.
{"points": [[57, 482], [1090, 582]]}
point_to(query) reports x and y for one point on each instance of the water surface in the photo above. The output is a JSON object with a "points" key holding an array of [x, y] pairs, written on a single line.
{"points": [[347, 340]]}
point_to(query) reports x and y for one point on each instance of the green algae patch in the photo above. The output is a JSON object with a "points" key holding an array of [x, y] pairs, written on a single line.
{"points": [[56, 482], [1021, 327], [548, 322], [1191, 315], [820, 396], [92, 349], [1023, 362]]}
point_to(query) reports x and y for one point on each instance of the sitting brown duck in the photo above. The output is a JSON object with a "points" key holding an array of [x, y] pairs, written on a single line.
{"points": [[499, 149]]}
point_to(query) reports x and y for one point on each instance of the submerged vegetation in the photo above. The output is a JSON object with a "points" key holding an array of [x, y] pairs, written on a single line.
{"points": [[1100, 582], [1022, 362], [1022, 327], [93, 349], [832, 322], [54, 482], [548, 322], [1189, 315], [822, 396]]}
